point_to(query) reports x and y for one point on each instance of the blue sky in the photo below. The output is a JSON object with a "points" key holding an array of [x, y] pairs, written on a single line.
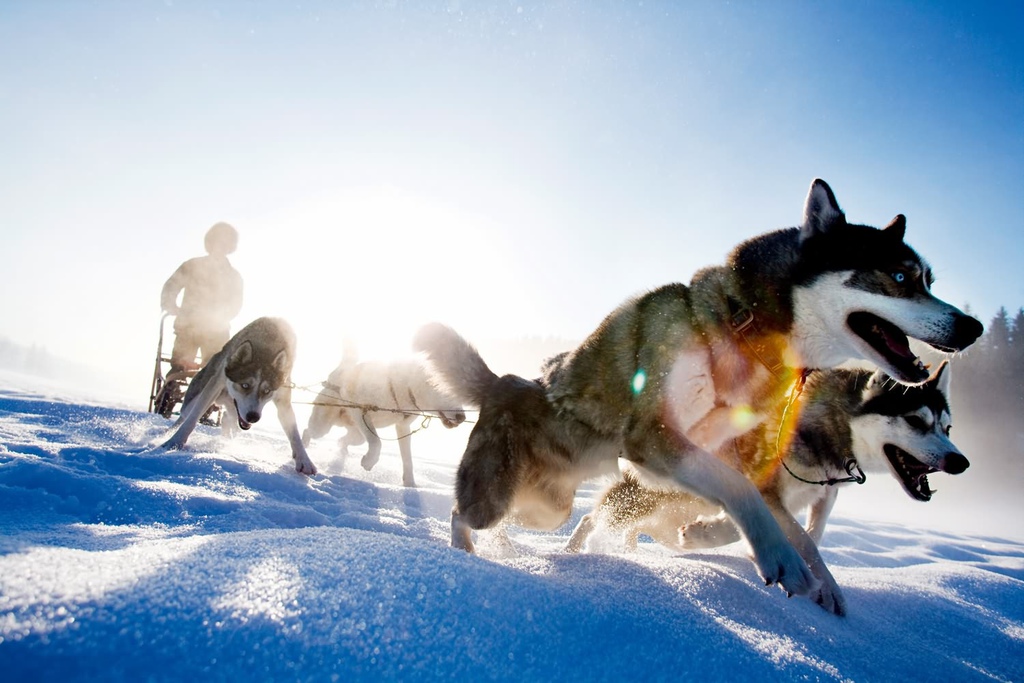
{"points": [[509, 168]]}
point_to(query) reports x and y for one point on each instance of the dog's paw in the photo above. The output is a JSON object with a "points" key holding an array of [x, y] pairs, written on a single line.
{"points": [[828, 596], [708, 532], [303, 465], [369, 461], [695, 536], [832, 602], [462, 535], [780, 563], [172, 445]]}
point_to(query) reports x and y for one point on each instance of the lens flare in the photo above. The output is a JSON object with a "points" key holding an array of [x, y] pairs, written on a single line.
{"points": [[743, 418], [639, 381]]}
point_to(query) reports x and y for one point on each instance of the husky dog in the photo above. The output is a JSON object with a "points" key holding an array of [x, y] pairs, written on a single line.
{"points": [[671, 375], [363, 397], [844, 423], [253, 367]]}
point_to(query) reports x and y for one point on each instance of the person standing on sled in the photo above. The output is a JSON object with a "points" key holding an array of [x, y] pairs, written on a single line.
{"points": [[211, 296]]}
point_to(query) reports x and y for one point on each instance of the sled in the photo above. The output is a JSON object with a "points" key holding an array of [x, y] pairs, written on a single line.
{"points": [[167, 390]]}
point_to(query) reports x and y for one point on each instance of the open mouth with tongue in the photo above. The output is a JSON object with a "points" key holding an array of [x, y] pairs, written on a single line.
{"points": [[913, 474], [890, 343], [241, 420]]}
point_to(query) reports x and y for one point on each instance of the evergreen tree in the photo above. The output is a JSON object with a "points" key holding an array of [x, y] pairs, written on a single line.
{"points": [[1015, 371], [999, 332]]}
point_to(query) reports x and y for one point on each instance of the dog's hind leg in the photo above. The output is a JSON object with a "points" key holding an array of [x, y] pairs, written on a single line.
{"points": [[320, 422], [373, 450], [405, 449], [462, 534], [487, 478], [352, 437]]}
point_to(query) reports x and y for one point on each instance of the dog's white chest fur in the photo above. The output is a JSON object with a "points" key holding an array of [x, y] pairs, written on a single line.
{"points": [[689, 390], [693, 403]]}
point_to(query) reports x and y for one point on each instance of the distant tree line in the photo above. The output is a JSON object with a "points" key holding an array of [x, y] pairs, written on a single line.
{"points": [[989, 376], [988, 394], [34, 360]]}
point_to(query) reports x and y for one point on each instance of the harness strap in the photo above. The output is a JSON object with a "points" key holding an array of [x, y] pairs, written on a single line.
{"points": [[743, 325]]}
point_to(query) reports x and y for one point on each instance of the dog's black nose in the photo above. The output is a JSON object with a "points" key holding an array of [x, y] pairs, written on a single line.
{"points": [[252, 416], [966, 330], [956, 463]]}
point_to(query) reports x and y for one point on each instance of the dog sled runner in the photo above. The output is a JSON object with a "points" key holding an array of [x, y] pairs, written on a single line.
{"points": [[167, 389]]}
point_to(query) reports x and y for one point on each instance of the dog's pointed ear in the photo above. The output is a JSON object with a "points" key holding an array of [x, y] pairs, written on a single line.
{"points": [[821, 210], [941, 378], [243, 354], [281, 361], [897, 228]]}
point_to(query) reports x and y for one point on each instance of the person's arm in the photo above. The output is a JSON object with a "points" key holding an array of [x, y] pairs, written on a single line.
{"points": [[172, 288]]}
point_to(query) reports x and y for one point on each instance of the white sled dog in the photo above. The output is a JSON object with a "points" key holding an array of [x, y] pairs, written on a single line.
{"points": [[253, 368], [671, 375], [847, 422], [363, 397]]}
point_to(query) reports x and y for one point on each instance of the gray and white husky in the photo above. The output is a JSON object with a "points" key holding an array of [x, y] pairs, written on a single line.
{"points": [[671, 375], [844, 423], [254, 367], [363, 397]]}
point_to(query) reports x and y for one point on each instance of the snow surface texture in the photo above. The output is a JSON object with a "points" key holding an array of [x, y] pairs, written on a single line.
{"points": [[221, 563]]}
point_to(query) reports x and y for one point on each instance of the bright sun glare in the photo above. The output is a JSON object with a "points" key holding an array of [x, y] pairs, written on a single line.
{"points": [[370, 265]]}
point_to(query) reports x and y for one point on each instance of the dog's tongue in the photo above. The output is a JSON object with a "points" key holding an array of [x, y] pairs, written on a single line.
{"points": [[241, 420], [898, 343]]}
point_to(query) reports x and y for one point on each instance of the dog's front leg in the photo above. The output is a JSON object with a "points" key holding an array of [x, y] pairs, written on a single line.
{"points": [[229, 422], [581, 533], [286, 414], [189, 418], [817, 518], [827, 594], [671, 456]]}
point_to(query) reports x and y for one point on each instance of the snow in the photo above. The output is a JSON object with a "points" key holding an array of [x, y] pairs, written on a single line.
{"points": [[119, 561]]}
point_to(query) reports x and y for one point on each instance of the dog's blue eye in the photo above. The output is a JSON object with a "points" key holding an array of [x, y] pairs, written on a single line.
{"points": [[245, 386], [899, 277]]}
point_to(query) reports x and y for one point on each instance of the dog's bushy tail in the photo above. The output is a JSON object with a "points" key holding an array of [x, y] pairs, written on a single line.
{"points": [[455, 363]]}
